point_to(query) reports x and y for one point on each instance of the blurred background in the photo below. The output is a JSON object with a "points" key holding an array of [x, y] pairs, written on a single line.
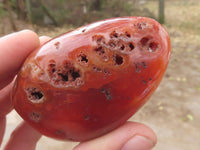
{"points": [[173, 112]]}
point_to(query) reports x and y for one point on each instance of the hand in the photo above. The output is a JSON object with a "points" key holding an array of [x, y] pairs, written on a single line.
{"points": [[14, 49]]}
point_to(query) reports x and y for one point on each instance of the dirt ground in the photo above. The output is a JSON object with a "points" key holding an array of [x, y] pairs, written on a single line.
{"points": [[173, 112]]}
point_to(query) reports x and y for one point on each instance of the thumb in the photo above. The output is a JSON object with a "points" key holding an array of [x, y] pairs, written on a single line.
{"points": [[130, 136]]}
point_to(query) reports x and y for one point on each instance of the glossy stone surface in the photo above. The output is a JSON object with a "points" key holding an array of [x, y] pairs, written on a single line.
{"points": [[89, 81]]}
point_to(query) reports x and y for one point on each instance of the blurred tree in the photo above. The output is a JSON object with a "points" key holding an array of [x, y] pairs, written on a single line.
{"points": [[75, 12], [96, 5], [21, 9], [8, 7], [48, 13], [29, 11], [161, 18]]}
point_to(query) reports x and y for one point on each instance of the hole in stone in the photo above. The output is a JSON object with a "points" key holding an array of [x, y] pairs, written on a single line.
{"points": [[70, 75], [127, 34], [137, 67], [107, 93], [37, 95], [75, 74], [83, 58], [35, 116], [34, 95], [131, 46], [106, 72], [144, 41], [83, 30], [112, 44], [87, 117], [59, 132], [64, 77], [141, 25], [57, 45], [144, 81], [53, 70], [122, 47], [153, 47], [114, 34], [144, 65], [66, 74], [99, 50], [51, 66], [96, 69], [98, 38], [118, 59]]}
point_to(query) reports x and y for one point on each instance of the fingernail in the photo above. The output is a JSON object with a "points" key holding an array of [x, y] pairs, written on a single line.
{"points": [[44, 37], [138, 143]]}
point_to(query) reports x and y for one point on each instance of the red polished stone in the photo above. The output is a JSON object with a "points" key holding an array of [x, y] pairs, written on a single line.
{"points": [[89, 81]]}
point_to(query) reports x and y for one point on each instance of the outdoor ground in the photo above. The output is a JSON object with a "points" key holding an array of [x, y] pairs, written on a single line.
{"points": [[173, 112]]}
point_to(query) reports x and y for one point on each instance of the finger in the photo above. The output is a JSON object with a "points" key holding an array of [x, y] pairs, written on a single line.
{"points": [[5, 99], [14, 49], [5, 93], [24, 137], [19, 134], [130, 136], [2, 128], [44, 39]]}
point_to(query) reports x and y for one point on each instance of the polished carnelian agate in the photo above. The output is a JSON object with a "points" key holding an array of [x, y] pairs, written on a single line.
{"points": [[89, 81]]}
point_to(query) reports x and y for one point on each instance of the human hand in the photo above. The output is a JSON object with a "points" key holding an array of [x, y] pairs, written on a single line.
{"points": [[14, 49]]}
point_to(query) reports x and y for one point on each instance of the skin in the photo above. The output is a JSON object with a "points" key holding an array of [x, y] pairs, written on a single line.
{"points": [[24, 136]]}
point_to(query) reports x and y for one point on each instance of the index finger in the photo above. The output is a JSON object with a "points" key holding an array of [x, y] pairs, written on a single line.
{"points": [[14, 48]]}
